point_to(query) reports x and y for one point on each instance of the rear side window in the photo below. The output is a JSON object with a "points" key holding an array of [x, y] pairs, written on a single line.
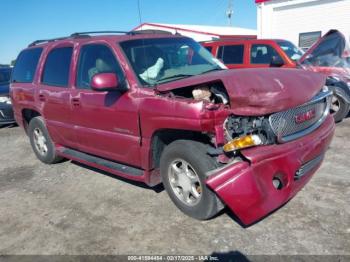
{"points": [[231, 54], [57, 65], [262, 54], [25, 66]]}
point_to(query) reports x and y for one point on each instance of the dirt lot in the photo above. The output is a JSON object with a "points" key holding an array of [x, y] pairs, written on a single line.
{"points": [[70, 209]]}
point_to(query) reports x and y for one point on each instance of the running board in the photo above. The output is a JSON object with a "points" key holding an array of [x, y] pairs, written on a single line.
{"points": [[77, 155]]}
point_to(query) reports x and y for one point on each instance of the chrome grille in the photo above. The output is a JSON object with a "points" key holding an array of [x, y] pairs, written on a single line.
{"points": [[287, 128]]}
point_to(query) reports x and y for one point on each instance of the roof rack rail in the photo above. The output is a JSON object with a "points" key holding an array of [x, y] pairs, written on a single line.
{"points": [[101, 32], [151, 31], [87, 34], [36, 42]]}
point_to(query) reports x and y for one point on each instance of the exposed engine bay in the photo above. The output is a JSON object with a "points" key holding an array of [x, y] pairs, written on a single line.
{"points": [[210, 92]]}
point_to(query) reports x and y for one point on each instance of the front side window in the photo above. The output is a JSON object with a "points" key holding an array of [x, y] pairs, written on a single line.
{"points": [[231, 54], [291, 50], [26, 64], [95, 59], [57, 66], [262, 54], [161, 60]]}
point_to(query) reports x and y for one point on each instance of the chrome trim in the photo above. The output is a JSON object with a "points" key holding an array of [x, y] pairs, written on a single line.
{"points": [[320, 96], [308, 166]]}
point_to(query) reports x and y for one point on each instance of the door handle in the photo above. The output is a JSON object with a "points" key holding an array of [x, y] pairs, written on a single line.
{"points": [[76, 102], [42, 98]]}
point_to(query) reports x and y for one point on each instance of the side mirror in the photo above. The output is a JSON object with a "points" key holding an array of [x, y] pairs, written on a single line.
{"points": [[276, 61], [104, 82]]}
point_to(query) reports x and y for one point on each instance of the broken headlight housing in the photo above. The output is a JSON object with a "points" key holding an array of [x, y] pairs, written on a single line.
{"points": [[242, 132]]}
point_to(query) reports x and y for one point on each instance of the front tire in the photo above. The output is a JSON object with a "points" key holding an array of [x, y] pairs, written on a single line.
{"points": [[339, 108], [41, 142], [183, 167]]}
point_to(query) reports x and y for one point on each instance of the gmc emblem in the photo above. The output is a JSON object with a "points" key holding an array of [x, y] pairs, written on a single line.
{"points": [[305, 116]]}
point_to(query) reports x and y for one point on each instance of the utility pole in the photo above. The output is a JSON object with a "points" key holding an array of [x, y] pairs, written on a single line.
{"points": [[229, 12]]}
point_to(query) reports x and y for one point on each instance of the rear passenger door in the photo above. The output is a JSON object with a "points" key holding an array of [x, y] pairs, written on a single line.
{"points": [[54, 94], [106, 122], [232, 55]]}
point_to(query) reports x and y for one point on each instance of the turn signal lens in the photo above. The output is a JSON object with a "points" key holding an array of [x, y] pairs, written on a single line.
{"points": [[242, 142]]}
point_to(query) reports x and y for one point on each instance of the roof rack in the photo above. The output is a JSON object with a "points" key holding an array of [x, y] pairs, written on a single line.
{"points": [[88, 34], [100, 32]]}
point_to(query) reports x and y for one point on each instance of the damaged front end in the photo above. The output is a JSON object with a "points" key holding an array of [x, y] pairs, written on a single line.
{"points": [[269, 134], [268, 159]]}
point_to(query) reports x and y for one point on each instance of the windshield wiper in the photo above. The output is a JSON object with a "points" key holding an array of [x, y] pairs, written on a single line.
{"points": [[174, 76], [213, 69]]}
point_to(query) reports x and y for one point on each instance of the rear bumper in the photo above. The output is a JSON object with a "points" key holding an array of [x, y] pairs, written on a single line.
{"points": [[6, 114], [247, 188]]}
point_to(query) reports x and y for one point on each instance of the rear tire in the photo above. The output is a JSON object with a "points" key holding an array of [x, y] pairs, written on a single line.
{"points": [[41, 142], [339, 108], [183, 168]]}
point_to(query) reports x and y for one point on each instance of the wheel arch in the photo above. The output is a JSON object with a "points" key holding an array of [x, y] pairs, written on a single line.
{"points": [[163, 137]]}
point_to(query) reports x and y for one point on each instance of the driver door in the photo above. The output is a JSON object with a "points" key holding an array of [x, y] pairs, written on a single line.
{"points": [[106, 122]]}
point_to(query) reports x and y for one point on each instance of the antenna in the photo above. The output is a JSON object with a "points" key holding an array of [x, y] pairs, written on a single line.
{"points": [[229, 12]]}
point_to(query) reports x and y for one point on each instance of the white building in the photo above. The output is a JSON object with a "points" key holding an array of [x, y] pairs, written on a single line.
{"points": [[200, 32], [302, 21]]}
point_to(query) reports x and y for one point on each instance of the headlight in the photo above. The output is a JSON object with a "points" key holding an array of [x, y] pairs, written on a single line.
{"points": [[5, 99], [242, 142]]}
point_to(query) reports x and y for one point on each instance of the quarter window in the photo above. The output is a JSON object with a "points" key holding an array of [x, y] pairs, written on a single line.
{"points": [[231, 54], [57, 66], [95, 59], [262, 54], [26, 64]]}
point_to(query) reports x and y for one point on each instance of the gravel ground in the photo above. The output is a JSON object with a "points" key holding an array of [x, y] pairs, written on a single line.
{"points": [[70, 209]]}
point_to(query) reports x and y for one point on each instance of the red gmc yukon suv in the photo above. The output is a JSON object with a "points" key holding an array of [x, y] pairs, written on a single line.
{"points": [[160, 108]]}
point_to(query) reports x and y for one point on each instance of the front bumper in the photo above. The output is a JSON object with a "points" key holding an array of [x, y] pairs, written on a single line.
{"points": [[6, 114], [246, 187]]}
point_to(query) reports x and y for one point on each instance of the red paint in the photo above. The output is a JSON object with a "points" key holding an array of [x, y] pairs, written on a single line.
{"points": [[247, 189], [101, 82], [120, 126], [247, 43]]}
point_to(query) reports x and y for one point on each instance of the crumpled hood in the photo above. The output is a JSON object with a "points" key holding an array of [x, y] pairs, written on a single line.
{"points": [[260, 91]]}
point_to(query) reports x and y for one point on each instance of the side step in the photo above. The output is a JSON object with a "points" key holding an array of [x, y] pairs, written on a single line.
{"points": [[77, 155]]}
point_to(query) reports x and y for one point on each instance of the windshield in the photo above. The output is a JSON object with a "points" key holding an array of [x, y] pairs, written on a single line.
{"points": [[5, 75], [291, 50], [163, 60]]}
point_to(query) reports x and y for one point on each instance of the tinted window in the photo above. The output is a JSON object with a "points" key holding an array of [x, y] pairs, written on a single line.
{"points": [[5, 75], [26, 64], [57, 65], [231, 54], [262, 54], [209, 48], [95, 59]]}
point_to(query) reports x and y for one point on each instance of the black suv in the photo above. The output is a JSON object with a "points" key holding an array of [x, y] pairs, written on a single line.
{"points": [[6, 113]]}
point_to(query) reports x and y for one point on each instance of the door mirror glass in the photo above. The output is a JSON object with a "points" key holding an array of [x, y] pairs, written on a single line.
{"points": [[104, 82]]}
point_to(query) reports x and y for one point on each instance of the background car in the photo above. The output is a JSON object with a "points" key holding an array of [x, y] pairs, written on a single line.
{"points": [[6, 113], [329, 56]]}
